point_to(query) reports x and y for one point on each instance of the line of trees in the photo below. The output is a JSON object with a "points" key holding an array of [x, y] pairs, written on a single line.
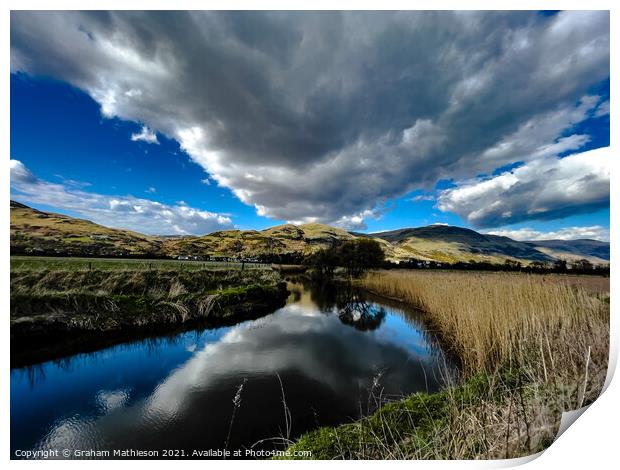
{"points": [[582, 266], [359, 255]]}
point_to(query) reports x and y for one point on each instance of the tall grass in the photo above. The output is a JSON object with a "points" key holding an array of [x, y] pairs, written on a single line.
{"points": [[492, 319], [50, 303], [159, 283], [530, 347]]}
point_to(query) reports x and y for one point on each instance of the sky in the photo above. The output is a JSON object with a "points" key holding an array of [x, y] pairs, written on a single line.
{"points": [[192, 122]]}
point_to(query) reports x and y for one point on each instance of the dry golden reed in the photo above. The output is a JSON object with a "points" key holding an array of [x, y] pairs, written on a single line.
{"points": [[489, 319]]}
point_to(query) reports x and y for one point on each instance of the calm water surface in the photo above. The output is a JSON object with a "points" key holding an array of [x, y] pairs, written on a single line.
{"points": [[332, 355]]}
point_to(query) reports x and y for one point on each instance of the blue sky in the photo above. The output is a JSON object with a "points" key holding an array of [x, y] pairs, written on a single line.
{"points": [[58, 132], [128, 135]]}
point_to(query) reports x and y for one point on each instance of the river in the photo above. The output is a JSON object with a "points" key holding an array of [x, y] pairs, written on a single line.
{"points": [[327, 357]]}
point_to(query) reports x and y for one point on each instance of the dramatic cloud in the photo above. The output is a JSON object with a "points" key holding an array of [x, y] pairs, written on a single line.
{"points": [[546, 188], [326, 116], [594, 232], [145, 135], [141, 215]]}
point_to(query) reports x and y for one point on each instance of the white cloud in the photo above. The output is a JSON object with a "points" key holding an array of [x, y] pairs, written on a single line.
{"points": [[321, 116], [594, 232], [538, 137], [423, 197], [20, 174], [151, 190], [145, 135], [547, 188], [602, 110], [141, 215], [355, 222]]}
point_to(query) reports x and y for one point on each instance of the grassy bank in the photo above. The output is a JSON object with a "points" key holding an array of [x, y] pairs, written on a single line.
{"points": [[530, 347], [62, 308]]}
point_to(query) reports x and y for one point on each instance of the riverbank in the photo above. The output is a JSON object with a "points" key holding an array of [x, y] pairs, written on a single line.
{"points": [[58, 311], [530, 348]]}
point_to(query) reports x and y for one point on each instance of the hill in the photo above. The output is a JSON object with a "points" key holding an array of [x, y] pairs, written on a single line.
{"points": [[594, 251], [450, 244], [285, 239], [37, 232]]}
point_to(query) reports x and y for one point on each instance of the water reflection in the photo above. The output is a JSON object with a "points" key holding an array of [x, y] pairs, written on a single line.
{"points": [[327, 351], [360, 314]]}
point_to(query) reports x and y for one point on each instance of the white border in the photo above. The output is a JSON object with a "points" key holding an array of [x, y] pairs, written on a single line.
{"points": [[592, 442]]}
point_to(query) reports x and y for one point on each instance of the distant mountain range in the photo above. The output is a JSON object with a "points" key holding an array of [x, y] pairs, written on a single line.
{"points": [[38, 232], [570, 250]]}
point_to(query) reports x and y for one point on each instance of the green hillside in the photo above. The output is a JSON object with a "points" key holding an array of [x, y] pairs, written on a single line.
{"points": [[450, 244], [36, 232], [282, 239]]}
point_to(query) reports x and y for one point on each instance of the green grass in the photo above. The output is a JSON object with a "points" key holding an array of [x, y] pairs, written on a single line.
{"points": [[465, 421], [396, 430], [20, 263]]}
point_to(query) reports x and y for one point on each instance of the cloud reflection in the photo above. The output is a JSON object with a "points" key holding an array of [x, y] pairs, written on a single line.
{"points": [[327, 368]]}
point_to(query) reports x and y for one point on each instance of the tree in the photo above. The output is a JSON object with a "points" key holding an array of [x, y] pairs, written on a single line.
{"points": [[538, 265], [359, 255], [512, 264], [324, 262], [583, 265], [356, 256], [560, 265]]}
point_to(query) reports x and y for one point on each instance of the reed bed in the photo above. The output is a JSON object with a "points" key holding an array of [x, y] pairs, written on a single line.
{"points": [[492, 319]]}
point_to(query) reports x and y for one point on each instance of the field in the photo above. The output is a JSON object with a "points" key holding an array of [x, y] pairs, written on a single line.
{"points": [[45, 262], [530, 347]]}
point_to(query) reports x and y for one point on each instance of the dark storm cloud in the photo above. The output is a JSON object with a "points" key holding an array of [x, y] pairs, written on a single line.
{"points": [[325, 116]]}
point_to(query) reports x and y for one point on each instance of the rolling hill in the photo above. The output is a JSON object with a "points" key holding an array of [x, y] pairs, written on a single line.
{"points": [[594, 251], [450, 244], [37, 232], [282, 239]]}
